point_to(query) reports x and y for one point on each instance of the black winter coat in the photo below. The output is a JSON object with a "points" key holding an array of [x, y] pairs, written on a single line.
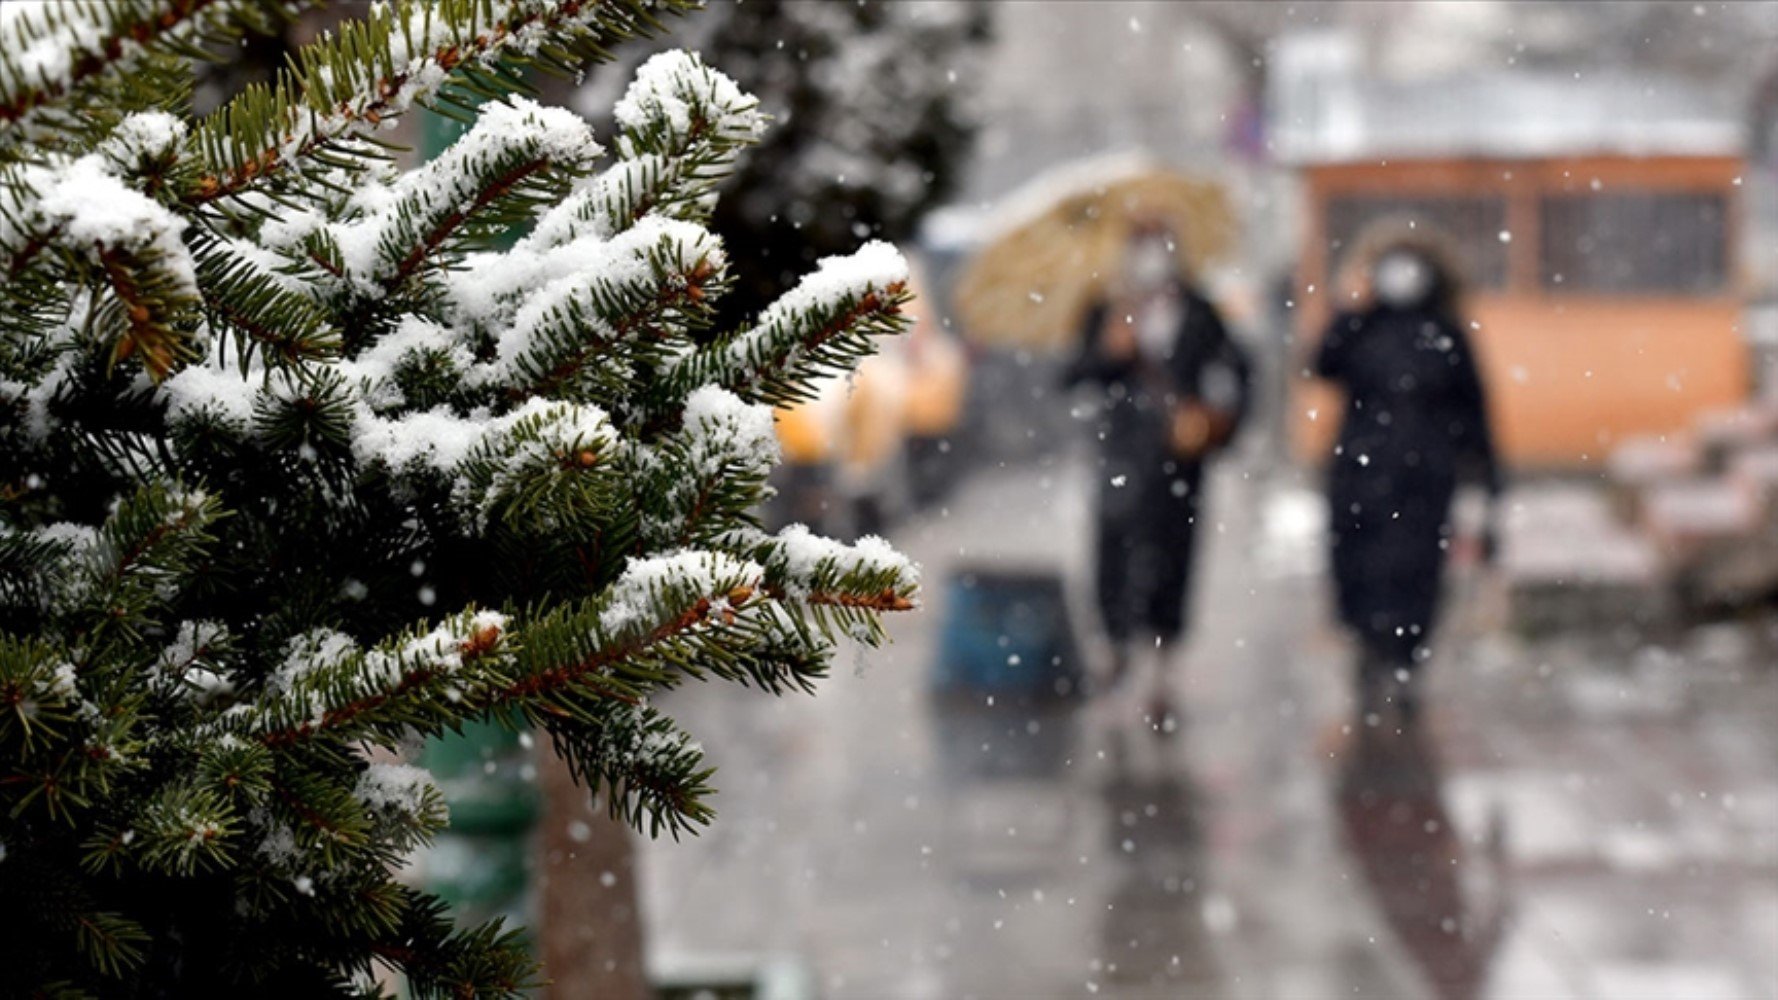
{"points": [[1415, 424], [1149, 502]]}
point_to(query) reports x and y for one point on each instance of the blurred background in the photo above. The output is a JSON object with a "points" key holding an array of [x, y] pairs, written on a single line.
{"points": [[1587, 805]]}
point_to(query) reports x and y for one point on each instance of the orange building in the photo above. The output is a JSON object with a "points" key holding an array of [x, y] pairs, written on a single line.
{"points": [[1598, 249]]}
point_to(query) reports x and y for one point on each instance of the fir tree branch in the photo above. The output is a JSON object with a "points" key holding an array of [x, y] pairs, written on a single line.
{"points": [[240, 294], [682, 127], [538, 684], [134, 27], [823, 326], [149, 331], [885, 600], [336, 687], [625, 296], [416, 49], [445, 227]]}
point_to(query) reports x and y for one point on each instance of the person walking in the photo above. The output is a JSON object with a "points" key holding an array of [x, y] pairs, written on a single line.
{"points": [[1174, 389], [1415, 425]]}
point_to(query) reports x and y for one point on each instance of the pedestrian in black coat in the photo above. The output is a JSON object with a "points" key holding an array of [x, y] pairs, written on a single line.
{"points": [[1415, 425], [1174, 387]]}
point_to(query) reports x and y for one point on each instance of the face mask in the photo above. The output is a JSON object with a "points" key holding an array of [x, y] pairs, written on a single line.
{"points": [[1402, 280], [1150, 264]]}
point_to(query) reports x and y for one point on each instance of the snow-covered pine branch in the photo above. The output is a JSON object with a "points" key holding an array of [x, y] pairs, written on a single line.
{"points": [[632, 298], [518, 156], [821, 327], [349, 83], [682, 125], [328, 685], [50, 52], [709, 472], [90, 208]]}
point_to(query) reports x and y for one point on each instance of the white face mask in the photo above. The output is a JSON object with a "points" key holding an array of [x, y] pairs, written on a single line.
{"points": [[1150, 264], [1402, 279]]}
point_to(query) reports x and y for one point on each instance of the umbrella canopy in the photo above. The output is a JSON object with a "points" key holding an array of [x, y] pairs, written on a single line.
{"points": [[1031, 284]]}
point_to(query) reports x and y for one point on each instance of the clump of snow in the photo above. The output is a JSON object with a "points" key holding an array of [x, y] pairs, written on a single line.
{"points": [[622, 269], [561, 425], [401, 788], [604, 204], [218, 390], [89, 207], [676, 92], [372, 245], [145, 135], [376, 370], [723, 430], [78, 537], [435, 438], [874, 267], [63, 683], [179, 662], [805, 559], [557, 133], [308, 652], [279, 846], [645, 582], [290, 227]]}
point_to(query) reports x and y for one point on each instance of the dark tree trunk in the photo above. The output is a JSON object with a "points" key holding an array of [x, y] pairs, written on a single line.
{"points": [[590, 922]]}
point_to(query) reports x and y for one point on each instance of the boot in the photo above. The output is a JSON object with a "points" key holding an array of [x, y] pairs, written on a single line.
{"points": [[1387, 690], [1163, 715]]}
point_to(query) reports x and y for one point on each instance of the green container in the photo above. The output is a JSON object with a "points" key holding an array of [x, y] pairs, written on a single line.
{"points": [[481, 863]]}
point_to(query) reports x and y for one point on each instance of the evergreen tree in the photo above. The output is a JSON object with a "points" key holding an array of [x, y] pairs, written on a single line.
{"points": [[301, 463]]}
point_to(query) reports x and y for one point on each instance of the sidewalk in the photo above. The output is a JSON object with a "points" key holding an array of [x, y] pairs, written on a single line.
{"points": [[1573, 825]]}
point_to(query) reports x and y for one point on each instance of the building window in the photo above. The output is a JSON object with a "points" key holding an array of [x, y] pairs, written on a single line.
{"points": [[1637, 242], [1471, 224]]}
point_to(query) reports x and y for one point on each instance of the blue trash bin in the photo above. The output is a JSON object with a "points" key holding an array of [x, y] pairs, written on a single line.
{"points": [[1007, 633]]}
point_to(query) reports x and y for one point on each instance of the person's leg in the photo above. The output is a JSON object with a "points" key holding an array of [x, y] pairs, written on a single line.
{"points": [[1166, 611], [1385, 678], [1164, 712], [1113, 554], [1371, 680]]}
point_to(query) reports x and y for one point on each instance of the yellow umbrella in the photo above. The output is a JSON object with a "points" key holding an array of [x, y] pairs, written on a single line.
{"points": [[1031, 285]]}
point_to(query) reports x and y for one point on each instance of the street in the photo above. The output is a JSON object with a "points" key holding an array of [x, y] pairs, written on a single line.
{"points": [[1569, 820]]}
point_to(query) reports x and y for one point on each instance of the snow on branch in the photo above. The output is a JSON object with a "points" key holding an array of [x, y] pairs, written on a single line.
{"points": [[683, 124], [373, 69], [636, 294], [805, 567], [710, 471], [823, 326], [327, 683], [85, 207], [531, 467], [47, 50], [676, 99], [517, 155]]}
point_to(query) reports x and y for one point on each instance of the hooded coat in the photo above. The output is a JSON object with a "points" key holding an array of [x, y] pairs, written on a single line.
{"points": [[1415, 424], [1149, 498]]}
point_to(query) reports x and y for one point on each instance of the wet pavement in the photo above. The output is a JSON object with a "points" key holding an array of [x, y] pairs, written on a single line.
{"points": [[1572, 818]]}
